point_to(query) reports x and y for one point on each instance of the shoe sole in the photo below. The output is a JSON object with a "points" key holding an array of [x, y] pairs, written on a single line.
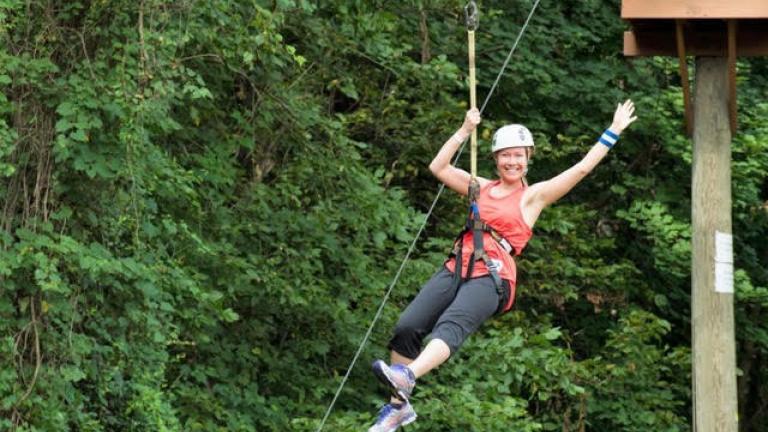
{"points": [[409, 421], [405, 422], [387, 381]]}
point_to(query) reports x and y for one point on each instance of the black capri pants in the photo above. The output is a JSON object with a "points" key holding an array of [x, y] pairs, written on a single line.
{"points": [[446, 312]]}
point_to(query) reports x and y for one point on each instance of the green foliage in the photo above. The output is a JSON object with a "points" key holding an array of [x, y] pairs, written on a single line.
{"points": [[635, 384], [204, 203]]}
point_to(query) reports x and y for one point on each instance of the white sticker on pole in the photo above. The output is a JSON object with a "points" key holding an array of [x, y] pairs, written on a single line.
{"points": [[723, 262], [724, 278]]}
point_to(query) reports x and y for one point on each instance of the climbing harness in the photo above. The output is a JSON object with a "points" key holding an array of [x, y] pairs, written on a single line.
{"points": [[474, 223], [423, 224], [477, 227]]}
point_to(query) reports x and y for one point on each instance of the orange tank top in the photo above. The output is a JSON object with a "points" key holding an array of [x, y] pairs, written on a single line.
{"points": [[504, 215]]}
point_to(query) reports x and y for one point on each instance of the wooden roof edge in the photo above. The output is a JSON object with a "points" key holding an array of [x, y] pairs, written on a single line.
{"points": [[748, 44], [694, 9]]}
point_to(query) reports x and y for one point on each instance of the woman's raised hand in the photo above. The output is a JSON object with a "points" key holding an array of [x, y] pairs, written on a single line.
{"points": [[471, 120], [624, 116]]}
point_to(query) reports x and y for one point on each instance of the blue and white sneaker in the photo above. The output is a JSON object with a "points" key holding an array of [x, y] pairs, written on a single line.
{"points": [[399, 378], [393, 416]]}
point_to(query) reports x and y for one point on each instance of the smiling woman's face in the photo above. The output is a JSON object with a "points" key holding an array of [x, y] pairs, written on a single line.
{"points": [[511, 163]]}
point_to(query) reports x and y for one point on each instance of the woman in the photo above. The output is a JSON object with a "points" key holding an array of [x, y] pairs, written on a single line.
{"points": [[449, 308]]}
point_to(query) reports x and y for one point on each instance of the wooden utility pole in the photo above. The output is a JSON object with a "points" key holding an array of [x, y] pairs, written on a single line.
{"points": [[714, 356], [716, 32]]}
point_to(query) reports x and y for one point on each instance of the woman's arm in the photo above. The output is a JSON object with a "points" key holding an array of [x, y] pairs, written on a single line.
{"points": [[456, 178], [547, 192]]}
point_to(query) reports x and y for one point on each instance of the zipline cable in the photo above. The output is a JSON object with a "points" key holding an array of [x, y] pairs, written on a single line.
{"points": [[421, 228]]}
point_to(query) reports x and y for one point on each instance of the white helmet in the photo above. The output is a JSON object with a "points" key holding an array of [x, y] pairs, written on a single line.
{"points": [[513, 135]]}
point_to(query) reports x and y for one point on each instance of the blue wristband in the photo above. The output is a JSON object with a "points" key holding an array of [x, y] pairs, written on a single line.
{"points": [[608, 138]]}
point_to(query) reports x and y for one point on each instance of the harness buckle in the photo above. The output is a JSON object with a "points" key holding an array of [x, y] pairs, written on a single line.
{"points": [[508, 248]]}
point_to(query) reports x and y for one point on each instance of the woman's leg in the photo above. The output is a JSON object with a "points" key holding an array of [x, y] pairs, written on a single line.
{"points": [[434, 354], [476, 302], [395, 358], [418, 319], [414, 324]]}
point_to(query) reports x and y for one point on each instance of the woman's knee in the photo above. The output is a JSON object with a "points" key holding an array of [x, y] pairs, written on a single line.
{"points": [[407, 339], [452, 334]]}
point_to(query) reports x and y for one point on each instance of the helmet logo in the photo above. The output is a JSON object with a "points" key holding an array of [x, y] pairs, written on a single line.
{"points": [[514, 135]]}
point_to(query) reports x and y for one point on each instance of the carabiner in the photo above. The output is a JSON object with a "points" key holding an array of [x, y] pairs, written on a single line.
{"points": [[473, 192], [470, 12]]}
